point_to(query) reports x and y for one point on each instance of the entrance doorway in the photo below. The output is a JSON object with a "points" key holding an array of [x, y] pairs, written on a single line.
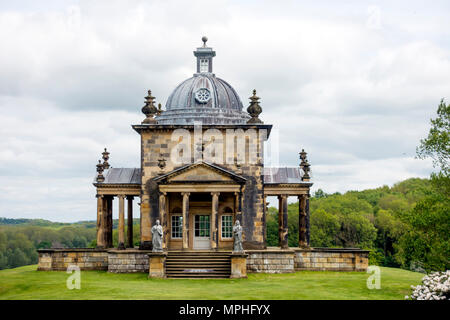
{"points": [[202, 232]]}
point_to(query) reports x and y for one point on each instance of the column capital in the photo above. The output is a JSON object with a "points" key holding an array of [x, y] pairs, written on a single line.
{"points": [[185, 194], [99, 195], [162, 193], [282, 196], [215, 193], [121, 196]]}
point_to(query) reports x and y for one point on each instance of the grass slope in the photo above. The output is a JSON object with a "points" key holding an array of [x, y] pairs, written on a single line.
{"points": [[27, 283]]}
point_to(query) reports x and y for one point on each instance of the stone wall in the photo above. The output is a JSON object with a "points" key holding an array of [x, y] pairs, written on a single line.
{"points": [[128, 261], [270, 261], [60, 259], [258, 261], [330, 259]]}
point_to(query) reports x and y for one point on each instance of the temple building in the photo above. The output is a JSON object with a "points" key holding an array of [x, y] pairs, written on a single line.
{"points": [[202, 169]]}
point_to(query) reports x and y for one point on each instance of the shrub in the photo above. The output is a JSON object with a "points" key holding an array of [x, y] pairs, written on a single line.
{"points": [[435, 286]]}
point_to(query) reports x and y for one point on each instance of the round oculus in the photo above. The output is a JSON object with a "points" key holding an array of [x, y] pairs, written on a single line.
{"points": [[202, 95]]}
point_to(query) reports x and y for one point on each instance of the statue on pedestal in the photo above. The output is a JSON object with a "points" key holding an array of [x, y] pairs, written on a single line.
{"points": [[237, 237], [157, 234]]}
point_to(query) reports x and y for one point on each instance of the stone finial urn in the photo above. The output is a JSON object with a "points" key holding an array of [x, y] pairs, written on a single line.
{"points": [[149, 109], [100, 168], [254, 110]]}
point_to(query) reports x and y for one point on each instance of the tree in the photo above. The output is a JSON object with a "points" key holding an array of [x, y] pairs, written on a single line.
{"points": [[356, 231], [436, 145], [427, 240], [324, 229]]}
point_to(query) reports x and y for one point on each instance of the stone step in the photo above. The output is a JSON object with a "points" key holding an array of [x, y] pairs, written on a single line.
{"points": [[198, 265], [199, 276], [184, 259]]}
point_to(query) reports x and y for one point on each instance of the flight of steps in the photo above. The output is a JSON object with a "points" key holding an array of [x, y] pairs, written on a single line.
{"points": [[198, 264]]}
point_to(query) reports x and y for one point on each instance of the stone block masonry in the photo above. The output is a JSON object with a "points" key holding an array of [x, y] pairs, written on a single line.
{"points": [[270, 261], [60, 259], [157, 264], [238, 265], [128, 261], [331, 259]]}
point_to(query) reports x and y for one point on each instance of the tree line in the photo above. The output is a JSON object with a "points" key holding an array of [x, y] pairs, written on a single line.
{"points": [[406, 225]]}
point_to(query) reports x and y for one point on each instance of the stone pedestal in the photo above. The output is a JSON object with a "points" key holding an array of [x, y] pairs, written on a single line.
{"points": [[238, 265], [157, 265]]}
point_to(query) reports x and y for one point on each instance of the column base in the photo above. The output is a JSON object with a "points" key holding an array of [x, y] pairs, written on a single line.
{"points": [[303, 245], [121, 246], [146, 245]]}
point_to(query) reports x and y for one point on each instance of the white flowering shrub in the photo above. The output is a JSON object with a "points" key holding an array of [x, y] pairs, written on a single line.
{"points": [[435, 286]]}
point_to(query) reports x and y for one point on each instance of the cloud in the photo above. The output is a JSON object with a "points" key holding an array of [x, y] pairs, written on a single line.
{"points": [[353, 85]]}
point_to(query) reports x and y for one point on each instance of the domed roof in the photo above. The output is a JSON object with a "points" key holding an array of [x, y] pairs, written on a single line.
{"points": [[203, 98]]}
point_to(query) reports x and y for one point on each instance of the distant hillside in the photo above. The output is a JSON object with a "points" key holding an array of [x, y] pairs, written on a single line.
{"points": [[43, 223]]}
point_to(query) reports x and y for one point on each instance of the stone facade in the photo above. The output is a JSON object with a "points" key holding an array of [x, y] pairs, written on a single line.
{"points": [[128, 261], [60, 259], [160, 141]]}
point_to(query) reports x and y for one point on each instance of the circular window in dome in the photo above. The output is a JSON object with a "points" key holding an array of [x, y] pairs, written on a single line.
{"points": [[202, 95]]}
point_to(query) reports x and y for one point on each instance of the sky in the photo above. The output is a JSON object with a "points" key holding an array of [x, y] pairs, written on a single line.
{"points": [[354, 83]]}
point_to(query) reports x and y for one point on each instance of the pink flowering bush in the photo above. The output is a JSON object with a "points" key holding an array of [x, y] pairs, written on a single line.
{"points": [[435, 286]]}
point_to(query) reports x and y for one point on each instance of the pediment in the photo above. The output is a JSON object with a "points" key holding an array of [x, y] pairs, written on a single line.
{"points": [[201, 173]]}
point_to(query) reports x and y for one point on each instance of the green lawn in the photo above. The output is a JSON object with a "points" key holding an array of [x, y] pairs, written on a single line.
{"points": [[27, 283]]}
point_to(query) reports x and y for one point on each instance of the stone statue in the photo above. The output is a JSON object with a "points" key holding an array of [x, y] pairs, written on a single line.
{"points": [[237, 237], [157, 234]]}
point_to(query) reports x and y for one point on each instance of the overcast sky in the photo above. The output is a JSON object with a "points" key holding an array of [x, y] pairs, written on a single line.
{"points": [[354, 83]]}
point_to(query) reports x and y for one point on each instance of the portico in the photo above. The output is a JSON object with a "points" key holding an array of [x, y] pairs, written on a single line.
{"points": [[198, 204]]}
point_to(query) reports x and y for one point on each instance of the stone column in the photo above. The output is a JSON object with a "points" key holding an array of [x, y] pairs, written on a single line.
{"points": [[121, 233], [109, 222], [185, 219], [307, 220], [100, 222], [162, 216], [284, 229], [280, 219], [265, 220], [130, 222], [146, 233], [239, 207], [214, 220], [236, 205], [302, 238]]}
